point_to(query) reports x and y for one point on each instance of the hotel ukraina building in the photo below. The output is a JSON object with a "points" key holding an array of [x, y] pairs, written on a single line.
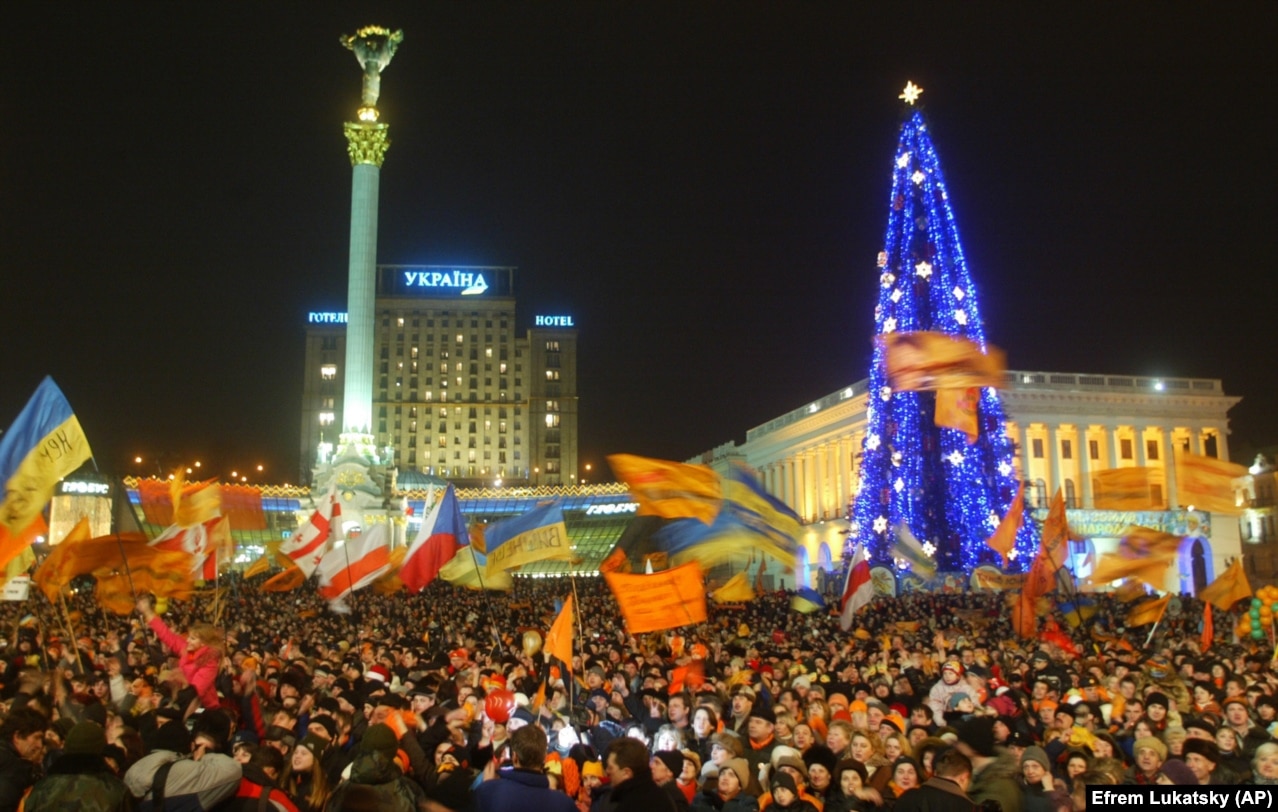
{"points": [[1066, 426], [458, 394]]}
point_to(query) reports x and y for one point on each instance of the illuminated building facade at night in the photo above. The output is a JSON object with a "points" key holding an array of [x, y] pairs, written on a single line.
{"points": [[1066, 427], [458, 393]]}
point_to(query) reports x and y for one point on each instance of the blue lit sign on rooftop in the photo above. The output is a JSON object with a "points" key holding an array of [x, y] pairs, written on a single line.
{"points": [[444, 281], [553, 321], [325, 318]]}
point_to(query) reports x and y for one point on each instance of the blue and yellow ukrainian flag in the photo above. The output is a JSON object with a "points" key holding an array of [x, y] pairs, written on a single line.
{"points": [[42, 446], [807, 601]]}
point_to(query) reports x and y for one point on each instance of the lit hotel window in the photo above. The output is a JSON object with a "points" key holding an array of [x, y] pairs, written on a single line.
{"points": [[326, 418], [552, 420], [328, 372], [552, 374]]}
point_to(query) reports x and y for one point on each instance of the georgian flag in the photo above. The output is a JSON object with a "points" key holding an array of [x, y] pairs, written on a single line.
{"points": [[306, 547]]}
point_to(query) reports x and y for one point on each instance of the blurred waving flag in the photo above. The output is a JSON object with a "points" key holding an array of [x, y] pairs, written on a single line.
{"points": [[749, 520], [43, 445], [1228, 589], [1208, 483], [807, 600], [672, 490], [1003, 541], [736, 590], [926, 361], [907, 547]]}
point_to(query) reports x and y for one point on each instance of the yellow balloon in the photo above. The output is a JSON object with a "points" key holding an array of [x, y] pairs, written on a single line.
{"points": [[161, 605], [532, 642]]}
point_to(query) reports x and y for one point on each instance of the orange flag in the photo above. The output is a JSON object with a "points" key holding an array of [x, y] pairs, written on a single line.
{"points": [[1004, 539], [926, 361], [956, 409], [664, 600], [11, 546], [615, 562], [1207, 483], [1228, 589], [76, 555], [1130, 590], [242, 505], [1151, 611], [1152, 570], [672, 490], [286, 581], [1209, 629], [558, 642], [1125, 489]]}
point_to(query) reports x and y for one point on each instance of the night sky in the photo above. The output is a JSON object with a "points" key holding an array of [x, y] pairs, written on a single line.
{"points": [[702, 186]]}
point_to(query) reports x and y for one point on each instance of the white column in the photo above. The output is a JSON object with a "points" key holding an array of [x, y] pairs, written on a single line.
{"points": [[357, 394], [1169, 465], [1084, 491], [1111, 440], [1222, 444], [1053, 461], [1141, 460], [820, 482]]}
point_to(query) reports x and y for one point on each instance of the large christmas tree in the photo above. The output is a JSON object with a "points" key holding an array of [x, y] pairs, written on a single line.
{"points": [[949, 493]]}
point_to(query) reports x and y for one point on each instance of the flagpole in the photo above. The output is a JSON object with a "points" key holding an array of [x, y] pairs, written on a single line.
{"points": [[71, 631]]}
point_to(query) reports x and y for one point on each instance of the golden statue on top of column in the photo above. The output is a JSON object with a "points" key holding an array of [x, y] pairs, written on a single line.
{"points": [[373, 46]]}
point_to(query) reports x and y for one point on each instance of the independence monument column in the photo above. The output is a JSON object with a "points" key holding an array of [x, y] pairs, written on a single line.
{"points": [[367, 143]]}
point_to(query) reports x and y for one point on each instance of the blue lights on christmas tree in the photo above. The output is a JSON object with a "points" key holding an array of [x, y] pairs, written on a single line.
{"points": [[951, 494]]}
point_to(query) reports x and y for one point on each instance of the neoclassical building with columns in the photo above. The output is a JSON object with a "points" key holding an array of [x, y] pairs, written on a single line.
{"points": [[1067, 427]]}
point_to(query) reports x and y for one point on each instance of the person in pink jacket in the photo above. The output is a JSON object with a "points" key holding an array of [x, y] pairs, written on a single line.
{"points": [[199, 653]]}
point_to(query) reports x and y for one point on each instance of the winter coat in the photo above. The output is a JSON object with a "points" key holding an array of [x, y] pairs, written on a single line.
{"points": [[710, 801], [520, 789], [393, 789], [192, 786], [998, 781], [248, 797], [200, 667], [16, 776], [79, 783], [641, 794], [936, 795]]}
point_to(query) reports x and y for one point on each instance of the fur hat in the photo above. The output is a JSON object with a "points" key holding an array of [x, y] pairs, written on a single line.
{"points": [[820, 754], [1153, 743], [1207, 749]]}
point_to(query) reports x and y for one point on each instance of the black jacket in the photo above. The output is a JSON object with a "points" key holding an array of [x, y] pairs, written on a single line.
{"points": [[937, 795], [16, 776], [641, 794]]}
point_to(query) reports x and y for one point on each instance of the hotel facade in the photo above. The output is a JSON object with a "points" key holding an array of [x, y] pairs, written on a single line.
{"points": [[459, 393]]}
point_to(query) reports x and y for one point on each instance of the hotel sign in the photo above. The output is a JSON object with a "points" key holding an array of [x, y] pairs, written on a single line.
{"points": [[441, 281], [553, 321], [325, 318]]}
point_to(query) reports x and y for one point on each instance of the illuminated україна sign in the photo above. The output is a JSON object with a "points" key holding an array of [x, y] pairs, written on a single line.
{"points": [[471, 283], [325, 318], [553, 321]]}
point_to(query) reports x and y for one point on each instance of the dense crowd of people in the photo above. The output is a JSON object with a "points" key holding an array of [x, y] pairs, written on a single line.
{"points": [[444, 701]]}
